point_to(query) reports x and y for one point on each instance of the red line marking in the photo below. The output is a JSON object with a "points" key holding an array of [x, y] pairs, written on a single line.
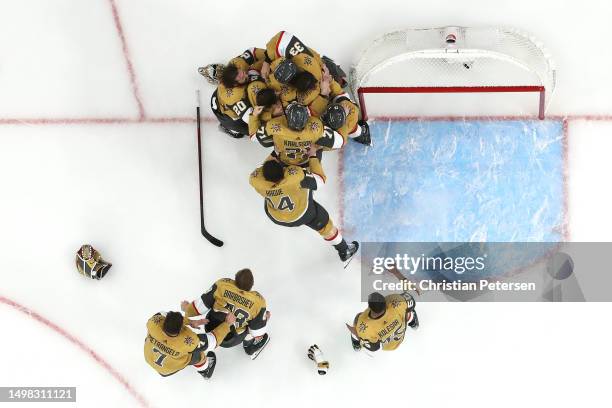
{"points": [[449, 89], [99, 121], [79, 344], [210, 119], [492, 118], [341, 189], [565, 146], [128, 59]]}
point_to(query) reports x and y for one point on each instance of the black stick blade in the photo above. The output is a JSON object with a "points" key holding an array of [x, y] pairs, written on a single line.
{"points": [[215, 241]]}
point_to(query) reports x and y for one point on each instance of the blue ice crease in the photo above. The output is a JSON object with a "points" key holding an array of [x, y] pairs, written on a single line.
{"points": [[448, 181]]}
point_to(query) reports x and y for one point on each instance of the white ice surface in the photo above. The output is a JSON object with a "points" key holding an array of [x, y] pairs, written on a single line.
{"points": [[131, 191]]}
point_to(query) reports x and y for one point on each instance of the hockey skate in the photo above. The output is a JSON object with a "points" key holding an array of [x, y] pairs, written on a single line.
{"points": [[364, 138], [212, 73], [414, 323], [212, 362], [255, 346], [347, 255]]}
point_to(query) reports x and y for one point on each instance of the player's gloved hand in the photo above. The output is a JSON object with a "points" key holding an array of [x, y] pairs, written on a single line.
{"points": [[356, 344]]}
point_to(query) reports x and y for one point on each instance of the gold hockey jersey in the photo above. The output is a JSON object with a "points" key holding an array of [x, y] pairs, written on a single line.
{"points": [[386, 331], [313, 99], [249, 307], [287, 200], [350, 126], [291, 146], [252, 58], [285, 44], [166, 354], [235, 101]]}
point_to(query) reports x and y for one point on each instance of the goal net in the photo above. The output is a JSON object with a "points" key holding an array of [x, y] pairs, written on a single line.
{"points": [[479, 71]]}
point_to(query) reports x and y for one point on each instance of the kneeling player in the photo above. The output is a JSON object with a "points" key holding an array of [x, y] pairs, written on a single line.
{"points": [[248, 306], [342, 115], [383, 324], [287, 191], [171, 345]]}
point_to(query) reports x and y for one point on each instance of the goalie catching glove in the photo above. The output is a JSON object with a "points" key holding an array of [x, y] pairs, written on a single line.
{"points": [[89, 263]]}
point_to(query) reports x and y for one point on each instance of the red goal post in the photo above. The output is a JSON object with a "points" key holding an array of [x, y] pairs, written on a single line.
{"points": [[454, 60]]}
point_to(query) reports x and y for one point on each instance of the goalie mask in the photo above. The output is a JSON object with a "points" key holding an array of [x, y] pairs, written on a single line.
{"points": [[334, 116], [212, 73], [90, 264], [285, 71]]}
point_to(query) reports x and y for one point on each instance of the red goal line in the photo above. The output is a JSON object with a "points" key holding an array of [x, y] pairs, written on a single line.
{"points": [[449, 89]]}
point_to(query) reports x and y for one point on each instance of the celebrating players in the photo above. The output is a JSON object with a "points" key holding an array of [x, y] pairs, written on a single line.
{"points": [[236, 297]]}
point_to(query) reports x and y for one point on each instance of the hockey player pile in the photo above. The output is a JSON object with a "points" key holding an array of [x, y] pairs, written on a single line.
{"points": [[289, 98]]}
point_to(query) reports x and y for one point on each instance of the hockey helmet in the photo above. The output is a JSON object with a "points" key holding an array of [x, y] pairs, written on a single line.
{"points": [[297, 116], [285, 71], [334, 116]]}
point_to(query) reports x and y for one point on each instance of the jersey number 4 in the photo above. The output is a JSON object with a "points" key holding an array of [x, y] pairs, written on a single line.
{"points": [[285, 203]]}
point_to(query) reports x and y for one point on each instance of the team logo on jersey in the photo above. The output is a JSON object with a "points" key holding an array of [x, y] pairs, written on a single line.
{"points": [[157, 319], [362, 327], [229, 92], [188, 340], [395, 303], [307, 61], [256, 89], [276, 127], [314, 126], [292, 171]]}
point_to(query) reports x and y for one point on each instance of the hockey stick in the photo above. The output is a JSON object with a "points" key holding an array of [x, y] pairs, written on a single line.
{"points": [[206, 234]]}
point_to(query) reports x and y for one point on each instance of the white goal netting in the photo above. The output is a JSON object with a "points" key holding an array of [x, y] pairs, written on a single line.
{"points": [[454, 59]]}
